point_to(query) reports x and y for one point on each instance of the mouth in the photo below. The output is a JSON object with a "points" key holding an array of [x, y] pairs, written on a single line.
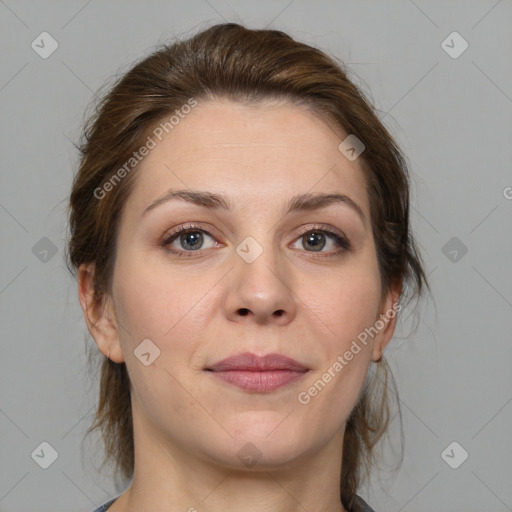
{"points": [[258, 373]]}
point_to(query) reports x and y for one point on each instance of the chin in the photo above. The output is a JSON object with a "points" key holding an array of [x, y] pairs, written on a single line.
{"points": [[255, 455]]}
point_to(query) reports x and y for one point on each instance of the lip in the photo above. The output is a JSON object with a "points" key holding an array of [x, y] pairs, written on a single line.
{"points": [[254, 363], [258, 373]]}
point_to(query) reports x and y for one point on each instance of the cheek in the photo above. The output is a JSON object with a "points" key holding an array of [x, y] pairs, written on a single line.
{"points": [[154, 303], [333, 390], [344, 304], [150, 308], [164, 309]]}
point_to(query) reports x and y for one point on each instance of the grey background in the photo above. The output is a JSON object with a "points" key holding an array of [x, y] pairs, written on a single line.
{"points": [[450, 115]]}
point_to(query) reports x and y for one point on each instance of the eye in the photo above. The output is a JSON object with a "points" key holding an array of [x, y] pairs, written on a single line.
{"points": [[188, 239], [317, 239]]}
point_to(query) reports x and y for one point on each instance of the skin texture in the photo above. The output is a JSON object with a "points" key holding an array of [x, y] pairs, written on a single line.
{"points": [[189, 425]]}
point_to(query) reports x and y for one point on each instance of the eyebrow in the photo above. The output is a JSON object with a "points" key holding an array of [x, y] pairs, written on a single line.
{"points": [[302, 202]]}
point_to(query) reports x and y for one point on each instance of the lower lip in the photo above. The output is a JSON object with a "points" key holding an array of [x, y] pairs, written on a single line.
{"points": [[259, 381]]}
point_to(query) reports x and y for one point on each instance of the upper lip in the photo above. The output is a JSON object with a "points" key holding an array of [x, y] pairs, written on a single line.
{"points": [[252, 362]]}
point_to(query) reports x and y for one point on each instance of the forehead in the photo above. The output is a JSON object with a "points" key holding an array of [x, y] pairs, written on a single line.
{"points": [[266, 151]]}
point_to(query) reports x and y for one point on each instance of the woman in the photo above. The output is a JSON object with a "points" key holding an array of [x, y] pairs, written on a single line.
{"points": [[239, 227]]}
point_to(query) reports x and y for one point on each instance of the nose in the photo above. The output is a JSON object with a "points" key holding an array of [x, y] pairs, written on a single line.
{"points": [[261, 291]]}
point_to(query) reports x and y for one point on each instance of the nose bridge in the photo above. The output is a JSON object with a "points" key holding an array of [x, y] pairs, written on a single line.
{"points": [[257, 237], [258, 261], [261, 284]]}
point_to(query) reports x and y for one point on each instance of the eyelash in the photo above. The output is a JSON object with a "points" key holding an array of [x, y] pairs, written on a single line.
{"points": [[343, 242]]}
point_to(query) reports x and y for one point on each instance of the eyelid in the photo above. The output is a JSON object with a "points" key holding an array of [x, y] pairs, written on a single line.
{"points": [[306, 228], [189, 226], [321, 227]]}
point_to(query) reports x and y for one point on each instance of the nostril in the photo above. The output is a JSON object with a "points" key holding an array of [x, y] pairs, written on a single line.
{"points": [[244, 311]]}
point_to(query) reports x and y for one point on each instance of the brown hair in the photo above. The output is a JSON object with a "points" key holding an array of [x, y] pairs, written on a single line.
{"points": [[231, 61]]}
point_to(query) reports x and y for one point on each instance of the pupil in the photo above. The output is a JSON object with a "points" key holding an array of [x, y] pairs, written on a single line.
{"points": [[313, 240], [191, 239]]}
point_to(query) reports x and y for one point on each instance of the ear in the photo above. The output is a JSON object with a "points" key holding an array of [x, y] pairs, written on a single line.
{"points": [[100, 318], [388, 312]]}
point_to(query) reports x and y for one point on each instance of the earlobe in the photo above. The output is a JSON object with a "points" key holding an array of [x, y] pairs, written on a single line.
{"points": [[100, 318]]}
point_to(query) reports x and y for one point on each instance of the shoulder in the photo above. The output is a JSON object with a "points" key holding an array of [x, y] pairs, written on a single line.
{"points": [[359, 505], [104, 507]]}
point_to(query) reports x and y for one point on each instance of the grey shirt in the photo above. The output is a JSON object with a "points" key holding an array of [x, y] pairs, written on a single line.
{"points": [[359, 505]]}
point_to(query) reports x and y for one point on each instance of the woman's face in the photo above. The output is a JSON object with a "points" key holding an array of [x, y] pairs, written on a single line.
{"points": [[254, 278]]}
